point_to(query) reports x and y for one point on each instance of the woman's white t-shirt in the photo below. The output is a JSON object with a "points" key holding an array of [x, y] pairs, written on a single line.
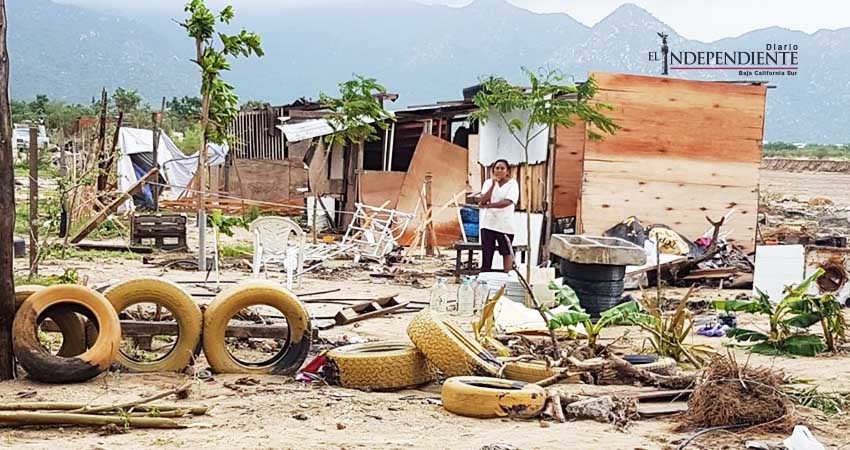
{"points": [[499, 219]]}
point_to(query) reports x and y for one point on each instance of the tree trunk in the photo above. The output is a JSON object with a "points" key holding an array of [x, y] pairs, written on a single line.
{"points": [[7, 211], [202, 165]]}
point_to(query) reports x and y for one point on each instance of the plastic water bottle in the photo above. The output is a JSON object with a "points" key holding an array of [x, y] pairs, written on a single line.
{"points": [[465, 298], [482, 294], [437, 301]]}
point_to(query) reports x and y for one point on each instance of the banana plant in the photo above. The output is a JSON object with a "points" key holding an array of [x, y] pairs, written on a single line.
{"points": [[788, 320]]}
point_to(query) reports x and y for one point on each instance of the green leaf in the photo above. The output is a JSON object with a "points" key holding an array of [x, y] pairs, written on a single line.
{"points": [[565, 296], [566, 319], [804, 345], [748, 306], [745, 335], [766, 348], [804, 320]]}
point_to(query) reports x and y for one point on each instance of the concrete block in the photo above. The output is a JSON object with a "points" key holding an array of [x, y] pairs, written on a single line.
{"points": [[597, 250]]}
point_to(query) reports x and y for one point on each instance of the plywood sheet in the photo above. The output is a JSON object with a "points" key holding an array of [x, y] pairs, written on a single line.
{"points": [[377, 187], [270, 181], [569, 166], [447, 163], [473, 167], [686, 150]]}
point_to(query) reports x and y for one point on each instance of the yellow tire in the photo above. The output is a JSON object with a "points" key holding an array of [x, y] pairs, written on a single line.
{"points": [[70, 324], [183, 309], [486, 398], [378, 366], [449, 348], [534, 371], [253, 293], [48, 368]]}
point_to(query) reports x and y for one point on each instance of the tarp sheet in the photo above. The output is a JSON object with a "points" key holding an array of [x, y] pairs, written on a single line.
{"points": [[496, 142], [178, 169]]}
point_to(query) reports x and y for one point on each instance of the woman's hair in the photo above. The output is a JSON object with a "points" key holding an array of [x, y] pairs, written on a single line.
{"points": [[502, 161]]}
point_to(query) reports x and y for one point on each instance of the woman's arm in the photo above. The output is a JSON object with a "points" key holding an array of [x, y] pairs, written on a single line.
{"points": [[500, 204], [485, 198]]}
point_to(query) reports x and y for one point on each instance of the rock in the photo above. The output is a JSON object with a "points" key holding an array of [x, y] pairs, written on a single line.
{"points": [[600, 409], [340, 426], [301, 416]]}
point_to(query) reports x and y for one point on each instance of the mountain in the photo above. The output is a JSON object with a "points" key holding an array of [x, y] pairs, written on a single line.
{"points": [[425, 53]]}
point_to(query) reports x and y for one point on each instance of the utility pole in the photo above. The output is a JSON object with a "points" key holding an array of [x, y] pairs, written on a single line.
{"points": [[202, 167], [7, 211]]}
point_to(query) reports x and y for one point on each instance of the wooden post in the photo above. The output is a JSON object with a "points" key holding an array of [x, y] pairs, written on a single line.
{"points": [[7, 210], [549, 217], [33, 156], [429, 228], [63, 173], [101, 144], [156, 119]]}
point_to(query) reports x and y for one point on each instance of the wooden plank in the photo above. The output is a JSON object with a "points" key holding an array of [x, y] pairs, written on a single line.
{"points": [[112, 207], [473, 166], [368, 309], [448, 163], [683, 207], [686, 149], [165, 328], [569, 167], [378, 187]]}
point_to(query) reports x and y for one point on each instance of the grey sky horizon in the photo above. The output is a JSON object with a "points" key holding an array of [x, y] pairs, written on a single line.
{"points": [[704, 20]]}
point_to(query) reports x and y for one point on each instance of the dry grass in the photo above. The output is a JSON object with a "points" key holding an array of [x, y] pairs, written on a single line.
{"points": [[729, 394]]}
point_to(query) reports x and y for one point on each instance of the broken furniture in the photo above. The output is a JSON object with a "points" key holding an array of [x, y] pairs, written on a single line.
{"points": [[595, 267], [375, 231], [162, 231], [469, 267], [271, 245]]}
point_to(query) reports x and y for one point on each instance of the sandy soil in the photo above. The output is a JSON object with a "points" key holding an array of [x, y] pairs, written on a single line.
{"points": [[282, 414], [806, 185]]}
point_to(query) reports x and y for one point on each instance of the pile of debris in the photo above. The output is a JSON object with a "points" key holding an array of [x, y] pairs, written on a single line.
{"points": [[791, 221], [708, 260]]}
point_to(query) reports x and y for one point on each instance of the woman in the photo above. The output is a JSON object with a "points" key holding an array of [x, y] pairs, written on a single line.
{"points": [[496, 220]]}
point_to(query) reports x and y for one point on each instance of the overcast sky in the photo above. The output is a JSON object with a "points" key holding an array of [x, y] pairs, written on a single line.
{"points": [[706, 20]]}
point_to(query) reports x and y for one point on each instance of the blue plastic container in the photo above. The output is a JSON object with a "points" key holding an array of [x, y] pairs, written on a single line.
{"points": [[471, 230], [469, 215]]}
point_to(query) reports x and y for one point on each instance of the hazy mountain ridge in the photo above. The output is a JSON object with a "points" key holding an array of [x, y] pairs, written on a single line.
{"points": [[425, 53]]}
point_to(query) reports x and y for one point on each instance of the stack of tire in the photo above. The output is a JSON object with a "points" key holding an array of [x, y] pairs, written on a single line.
{"points": [[78, 360], [473, 388]]}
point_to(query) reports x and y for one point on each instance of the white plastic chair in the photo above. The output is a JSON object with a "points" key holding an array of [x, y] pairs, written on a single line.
{"points": [[271, 245]]}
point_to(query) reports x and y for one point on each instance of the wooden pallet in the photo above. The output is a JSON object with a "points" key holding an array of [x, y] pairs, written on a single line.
{"points": [[163, 231]]}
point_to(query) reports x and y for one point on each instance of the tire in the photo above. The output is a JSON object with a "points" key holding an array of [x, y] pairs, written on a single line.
{"points": [[449, 348], [70, 324], [378, 366], [487, 398], [45, 367], [186, 313], [256, 292], [534, 371]]}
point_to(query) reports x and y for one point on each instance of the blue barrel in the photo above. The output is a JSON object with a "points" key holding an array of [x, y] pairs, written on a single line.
{"points": [[469, 215], [471, 230]]}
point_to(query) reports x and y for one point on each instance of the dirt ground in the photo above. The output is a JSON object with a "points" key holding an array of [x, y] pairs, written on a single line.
{"points": [[282, 414], [279, 413]]}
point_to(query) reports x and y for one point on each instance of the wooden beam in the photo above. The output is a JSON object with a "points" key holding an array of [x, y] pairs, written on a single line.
{"points": [[134, 328], [112, 207], [7, 210]]}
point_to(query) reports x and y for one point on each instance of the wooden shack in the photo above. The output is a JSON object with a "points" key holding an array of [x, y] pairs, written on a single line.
{"points": [[685, 150]]}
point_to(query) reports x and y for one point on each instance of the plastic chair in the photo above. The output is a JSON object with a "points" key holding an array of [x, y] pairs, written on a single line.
{"points": [[271, 245]]}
